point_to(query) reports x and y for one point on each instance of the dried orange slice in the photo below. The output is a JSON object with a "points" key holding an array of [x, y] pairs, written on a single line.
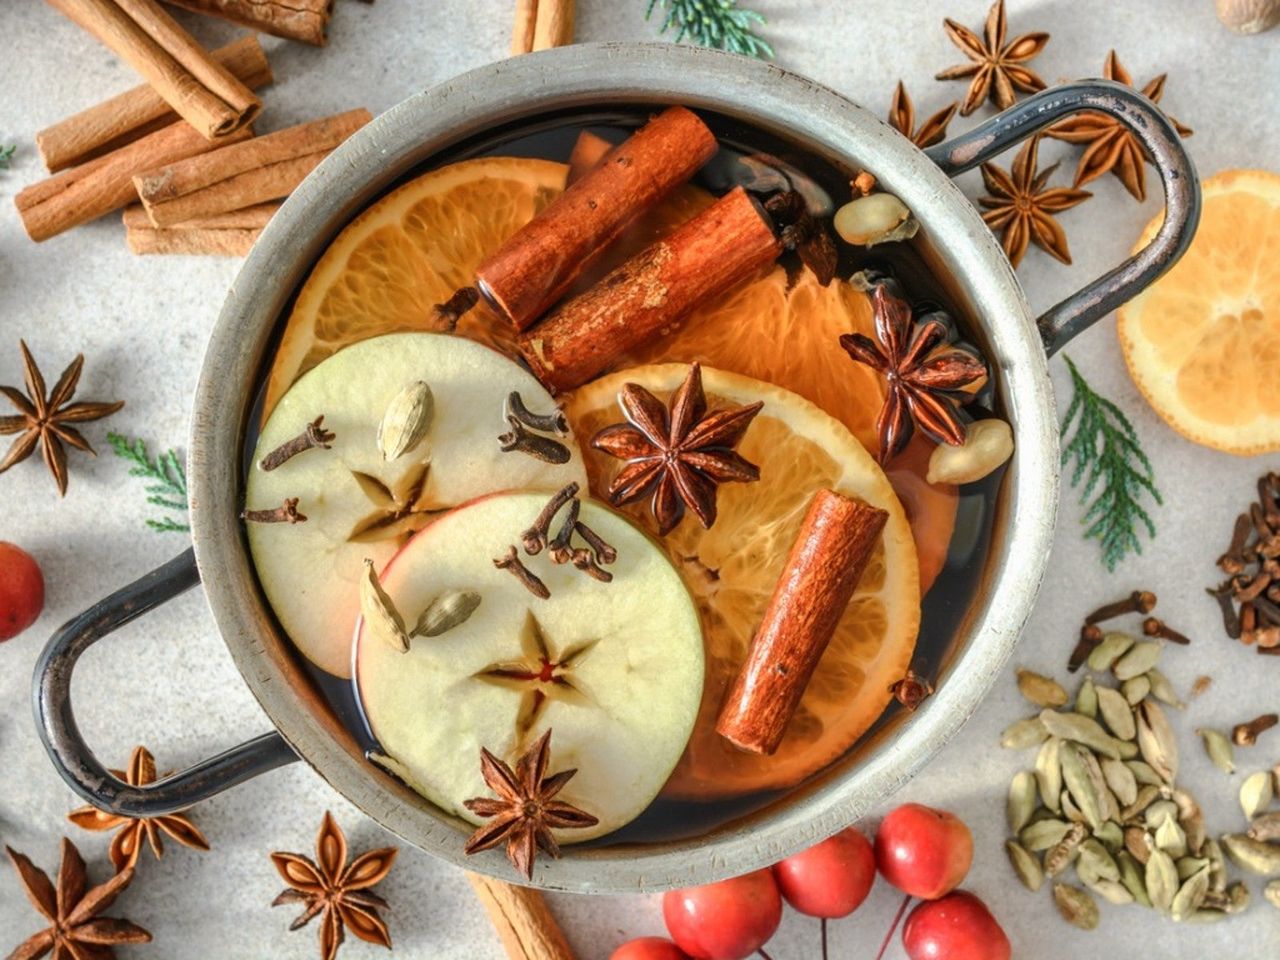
{"points": [[732, 568], [1203, 342]]}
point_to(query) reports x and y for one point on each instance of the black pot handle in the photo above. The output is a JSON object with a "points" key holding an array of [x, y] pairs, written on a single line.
{"points": [[1079, 311], [56, 723]]}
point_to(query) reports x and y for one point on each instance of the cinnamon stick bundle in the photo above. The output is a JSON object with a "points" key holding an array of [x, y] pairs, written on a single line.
{"points": [[704, 257], [541, 25], [195, 85], [303, 20], [827, 560], [524, 923], [244, 174], [535, 267], [137, 112], [222, 235], [100, 186]]}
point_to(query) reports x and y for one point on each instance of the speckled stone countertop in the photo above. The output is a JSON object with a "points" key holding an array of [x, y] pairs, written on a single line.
{"points": [[167, 681]]}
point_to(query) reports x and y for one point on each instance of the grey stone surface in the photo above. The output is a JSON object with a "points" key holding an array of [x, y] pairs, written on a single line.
{"points": [[167, 680]]}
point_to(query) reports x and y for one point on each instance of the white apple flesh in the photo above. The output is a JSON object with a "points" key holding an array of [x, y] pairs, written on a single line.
{"points": [[310, 571], [615, 669]]}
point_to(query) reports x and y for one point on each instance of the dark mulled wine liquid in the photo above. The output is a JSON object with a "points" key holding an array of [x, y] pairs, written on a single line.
{"points": [[823, 184]]}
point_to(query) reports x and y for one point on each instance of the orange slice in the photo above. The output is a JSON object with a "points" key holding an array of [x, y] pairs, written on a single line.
{"points": [[1203, 342], [790, 336], [732, 568]]}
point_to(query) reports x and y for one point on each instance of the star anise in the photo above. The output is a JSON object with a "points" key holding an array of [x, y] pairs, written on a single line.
{"points": [[902, 116], [46, 420], [1022, 210], [1112, 145], [336, 890], [680, 454], [126, 845], [919, 372], [525, 812], [997, 67], [76, 931]]}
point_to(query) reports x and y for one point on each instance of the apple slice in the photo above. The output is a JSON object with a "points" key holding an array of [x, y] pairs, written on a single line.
{"points": [[359, 505], [614, 669]]}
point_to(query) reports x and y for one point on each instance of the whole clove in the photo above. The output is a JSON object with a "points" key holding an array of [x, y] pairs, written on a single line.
{"points": [[559, 549], [452, 310], [555, 422], [541, 448], [313, 436], [1090, 637], [584, 561], [511, 562], [1154, 627], [535, 538], [1246, 734], [287, 512], [604, 554], [1140, 601]]}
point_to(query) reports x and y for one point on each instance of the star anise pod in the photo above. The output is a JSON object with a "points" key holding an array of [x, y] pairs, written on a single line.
{"points": [[997, 67], [1112, 145], [526, 811], [126, 845], [1020, 208], [919, 372], [76, 931], [337, 891], [902, 116], [46, 420], [680, 454]]}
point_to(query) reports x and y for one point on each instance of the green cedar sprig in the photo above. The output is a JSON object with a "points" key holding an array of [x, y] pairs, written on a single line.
{"points": [[714, 23], [169, 486], [1106, 447], [6, 155]]}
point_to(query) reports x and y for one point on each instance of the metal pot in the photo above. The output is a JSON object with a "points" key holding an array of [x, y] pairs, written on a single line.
{"points": [[954, 241]]}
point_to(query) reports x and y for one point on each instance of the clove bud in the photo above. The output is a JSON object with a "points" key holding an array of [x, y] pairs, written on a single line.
{"points": [[313, 436], [1140, 601], [287, 512], [1246, 734]]}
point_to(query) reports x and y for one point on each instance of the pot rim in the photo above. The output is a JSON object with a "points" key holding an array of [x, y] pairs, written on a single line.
{"points": [[577, 76]]}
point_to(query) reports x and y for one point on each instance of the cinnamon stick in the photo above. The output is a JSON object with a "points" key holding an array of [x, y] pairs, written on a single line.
{"points": [[197, 87], [265, 168], [86, 192], [524, 923], [222, 235], [524, 26], [303, 20], [588, 151], [706, 256], [541, 260], [137, 112], [554, 24], [822, 571]]}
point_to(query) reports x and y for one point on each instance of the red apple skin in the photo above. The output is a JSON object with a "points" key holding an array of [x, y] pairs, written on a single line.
{"points": [[957, 927], [729, 920], [649, 948], [830, 879], [922, 851], [21, 590]]}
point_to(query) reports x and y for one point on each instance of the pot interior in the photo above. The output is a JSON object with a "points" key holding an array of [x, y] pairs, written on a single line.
{"points": [[963, 638]]}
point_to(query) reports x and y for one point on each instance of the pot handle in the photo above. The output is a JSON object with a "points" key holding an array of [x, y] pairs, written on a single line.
{"points": [[56, 723], [1079, 311]]}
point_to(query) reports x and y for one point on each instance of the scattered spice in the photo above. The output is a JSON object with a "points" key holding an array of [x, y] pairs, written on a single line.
{"points": [[451, 609], [1106, 448], [680, 452], [126, 845], [902, 117], [169, 480], [525, 811], [379, 612], [337, 891], [1112, 145], [1253, 570], [535, 538], [584, 561], [1090, 639], [1201, 685], [921, 379], [406, 420], [997, 67], [912, 690], [604, 554], [75, 927], [1154, 627], [287, 512], [559, 549], [314, 435], [555, 422], [1246, 734], [1022, 210], [521, 440], [45, 420], [1140, 601], [511, 562]]}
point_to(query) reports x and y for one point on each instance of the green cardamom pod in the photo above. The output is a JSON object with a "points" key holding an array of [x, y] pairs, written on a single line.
{"points": [[1116, 713], [1043, 835], [1138, 843], [1097, 860], [1255, 793], [1081, 786], [1082, 729], [1049, 773], [379, 612], [1272, 893], [1112, 891], [1162, 689], [1076, 906], [1041, 690], [1121, 781], [1111, 834], [1022, 734], [1142, 656], [1171, 839], [1131, 877], [1022, 800], [406, 421], [1087, 699], [1113, 646], [1161, 878], [1219, 749], [1136, 689], [1156, 740], [1188, 865], [1265, 827], [1190, 894], [1143, 773], [1252, 855], [451, 609], [1025, 864], [1147, 795]]}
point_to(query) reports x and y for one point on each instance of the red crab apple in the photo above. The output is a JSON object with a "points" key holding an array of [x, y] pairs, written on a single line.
{"points": [[830, 879], [649, 948], [728, 920], [922, 851], [957, 927], [614, 670], [21, 590]]}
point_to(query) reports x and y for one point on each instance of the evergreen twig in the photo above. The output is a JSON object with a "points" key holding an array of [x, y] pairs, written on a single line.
{"points": [[169, 480], [714, 23], [6, 155], [1106, 447]]}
